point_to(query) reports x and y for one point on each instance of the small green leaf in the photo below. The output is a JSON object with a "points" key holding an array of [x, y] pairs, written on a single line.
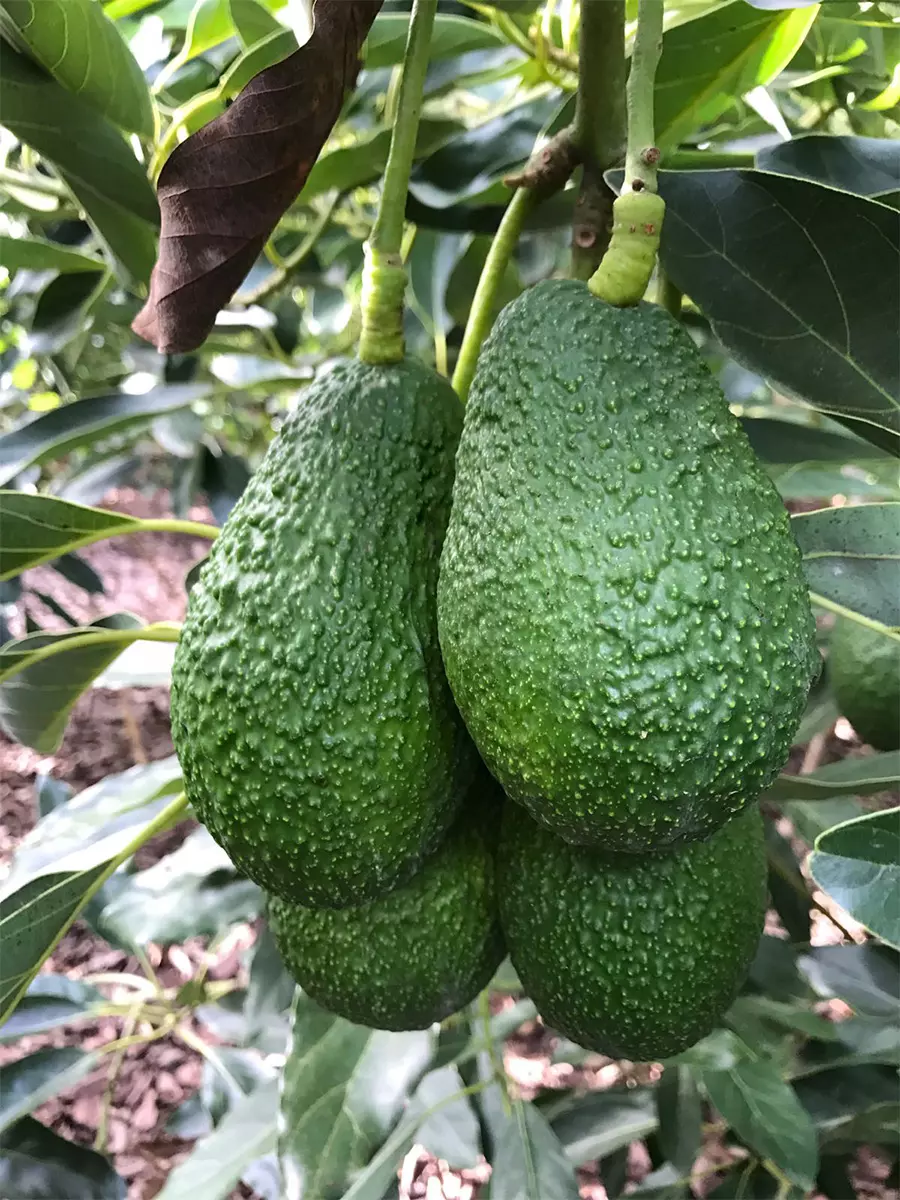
{"points": [[787, 887], [253, 21], [92, 157], [37, 1077], [451, 36], [764, 1112], [858, 865], [84, 421], [344, 1087], [851, 557], [83, 50], [193, 892], [35, 254], [680, 1114], [866, 977], [723, 54], [862, 776], [354, 166], [37, 692], [39, 1164], [452, 1132], [51, 1001], [596, 1125], [63, 311], [529, 1161], [215, 1165]]}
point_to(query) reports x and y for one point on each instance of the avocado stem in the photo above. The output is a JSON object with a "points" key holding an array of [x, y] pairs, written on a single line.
{"points": [[599, 127], [384, 279], [641, 154], [484, 302]]}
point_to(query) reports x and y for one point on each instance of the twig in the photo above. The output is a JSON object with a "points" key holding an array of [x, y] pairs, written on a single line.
{"points": [[642, 155], [290, 264]]}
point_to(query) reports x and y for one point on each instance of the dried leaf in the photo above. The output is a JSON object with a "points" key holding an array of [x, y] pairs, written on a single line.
{"points": [[223, 190]]}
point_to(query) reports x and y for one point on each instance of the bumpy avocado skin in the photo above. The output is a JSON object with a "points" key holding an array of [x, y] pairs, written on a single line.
{"points": [[411, 957], [865, 673], [634, 957], [621, 605], [312, 717]]}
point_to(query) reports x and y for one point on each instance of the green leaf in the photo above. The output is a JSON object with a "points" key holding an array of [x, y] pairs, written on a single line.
{"points": [[862, 165], [85, 421], [270, 992], [865, 977], [62, 312], [35, 254], [38, 689], [852, 557], [37, 1077], [718, 1051], [812, 817], [265, 53], [707, 63], [83, 50], [452, 35], [42, 1166], [787, 887], [215, 1165], [65, 859], [92, 157], [852, 1104], [799, 1018], [680, 1114], [598, 1124], [767, 260], [209, 24], [764, 1112], [430, 265], [858, 865], [36, 529], [452, 1132], [354, 166], [193, 892], [51, 1001], [863, 776], [344, 1088], [253, 21], [529, 1160]]}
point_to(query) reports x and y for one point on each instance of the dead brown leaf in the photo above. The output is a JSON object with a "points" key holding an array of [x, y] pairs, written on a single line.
{"points": [[223, 190]]}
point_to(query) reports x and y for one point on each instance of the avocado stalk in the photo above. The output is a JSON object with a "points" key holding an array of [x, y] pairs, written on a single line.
{"points": [[384, 277], [626, 267]]}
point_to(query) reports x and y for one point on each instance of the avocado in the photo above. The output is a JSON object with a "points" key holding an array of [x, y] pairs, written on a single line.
{"points": [[864, 666], [318, 736], [633, 956], [621, 605], [414, 956]]}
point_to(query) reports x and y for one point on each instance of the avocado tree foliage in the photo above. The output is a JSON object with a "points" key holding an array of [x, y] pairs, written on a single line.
{"points": [[264, 130]]}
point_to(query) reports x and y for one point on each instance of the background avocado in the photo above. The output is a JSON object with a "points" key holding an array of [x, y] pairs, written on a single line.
{"points": [[318, 736], [634, 957], [864, 666], [411, 957], [622, 610]]}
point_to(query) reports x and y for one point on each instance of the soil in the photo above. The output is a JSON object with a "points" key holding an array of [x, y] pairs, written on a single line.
{"points": [[110, 730]]}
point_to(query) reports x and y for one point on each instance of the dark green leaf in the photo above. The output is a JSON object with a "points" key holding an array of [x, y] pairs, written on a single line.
{"points": [[344, 1087], [37, 1164], [718, 1051], [77, 571], [799, 1018], [253, 21], [858, 865], [529, 1160], [62, 312], [214, 1167], [812, 817], [62, 862], [38, 693], [92, 157], [767, 260], [270, 990], [51, 1001], [193, 892], [725, 53], [680, 1115], [600, 1123], [852, 1104], [223, 477], [452, 1132], [862, 165], [774, 970], [85, 421], [451, 36], [35, 254], [852, 557], [353, 166], [859, 776], [430, 266], [764, 1112], [787, 887], [37, 1077], [865, 977], [84, 51]]}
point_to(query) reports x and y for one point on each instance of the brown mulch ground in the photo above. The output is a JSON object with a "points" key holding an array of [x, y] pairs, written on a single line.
{"points": [[111, 730]]}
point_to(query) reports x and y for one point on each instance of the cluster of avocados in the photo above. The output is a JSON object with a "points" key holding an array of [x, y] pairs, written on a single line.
{"points": [[448, 689]]}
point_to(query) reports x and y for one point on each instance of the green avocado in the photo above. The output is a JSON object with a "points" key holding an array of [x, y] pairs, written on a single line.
{"points": [[864, 666], [622, 609], [634, 957], [318, 736], [414, 956]]}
